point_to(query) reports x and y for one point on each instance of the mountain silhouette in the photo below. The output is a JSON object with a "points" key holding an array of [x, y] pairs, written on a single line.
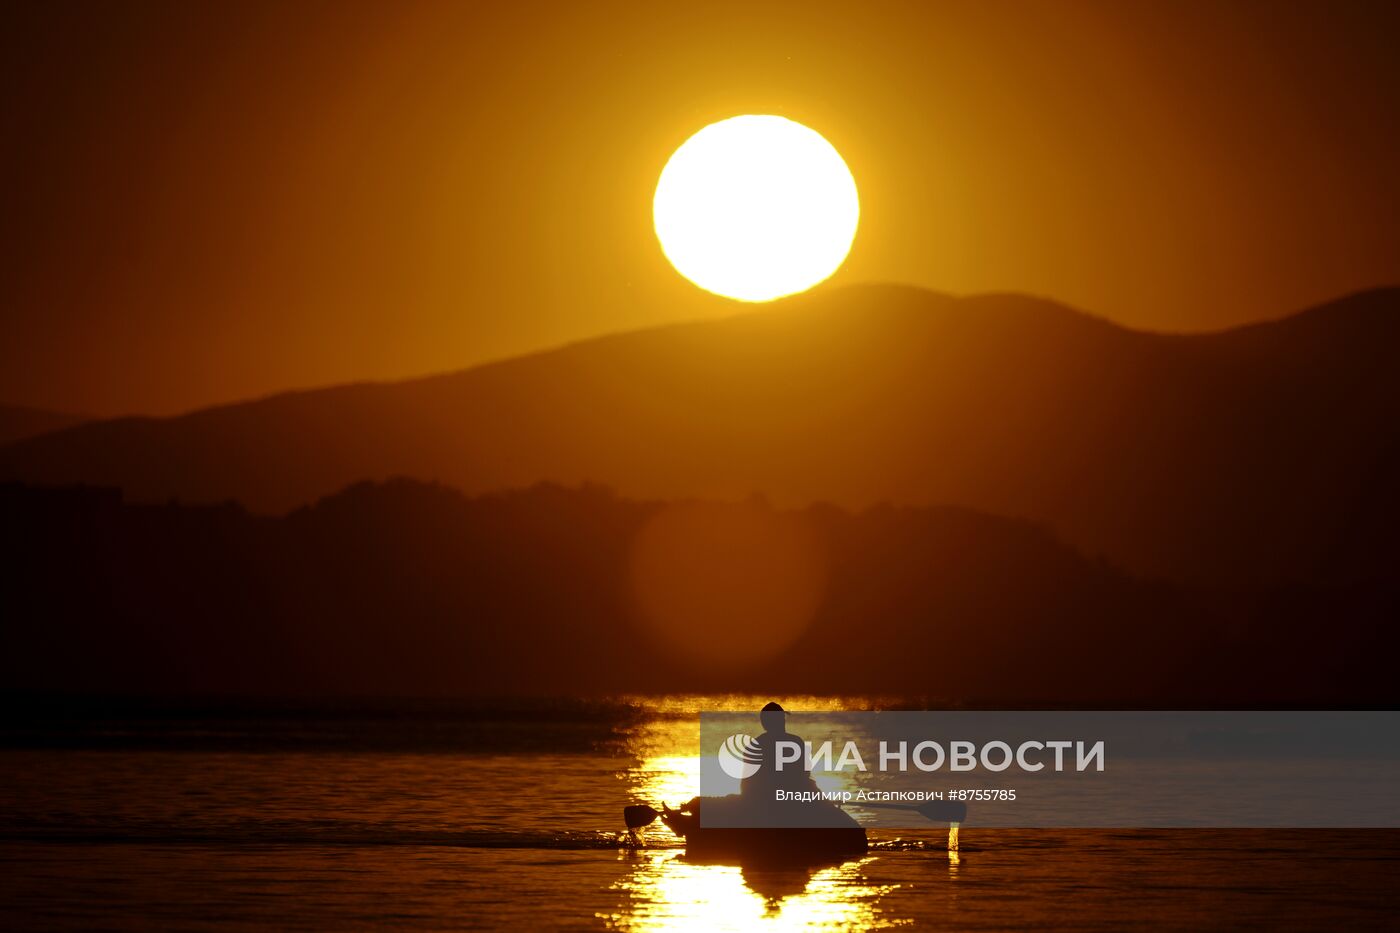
{"points": [[1250, 456], [408, 589], [17, 423]]}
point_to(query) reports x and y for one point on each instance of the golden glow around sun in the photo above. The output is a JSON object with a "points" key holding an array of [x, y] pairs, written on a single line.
{"points": [[755, 208]]}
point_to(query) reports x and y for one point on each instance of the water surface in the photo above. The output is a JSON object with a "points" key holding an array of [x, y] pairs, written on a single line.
{"points": [[509, 816]]}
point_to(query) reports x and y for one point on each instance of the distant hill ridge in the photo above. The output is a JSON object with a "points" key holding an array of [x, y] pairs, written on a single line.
{"points": [[1252, 455], [18, 423]]}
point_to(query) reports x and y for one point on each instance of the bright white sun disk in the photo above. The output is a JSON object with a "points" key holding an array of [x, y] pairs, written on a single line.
{"points": [[755, 208]]}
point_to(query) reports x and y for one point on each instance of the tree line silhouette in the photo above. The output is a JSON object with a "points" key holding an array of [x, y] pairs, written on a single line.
{"points": [[410, 589]]}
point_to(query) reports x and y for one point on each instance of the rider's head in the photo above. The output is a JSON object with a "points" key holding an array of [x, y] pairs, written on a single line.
{"points": [[773, 718]]}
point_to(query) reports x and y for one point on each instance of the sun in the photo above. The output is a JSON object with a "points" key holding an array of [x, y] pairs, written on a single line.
{"points": [[755, 208]]}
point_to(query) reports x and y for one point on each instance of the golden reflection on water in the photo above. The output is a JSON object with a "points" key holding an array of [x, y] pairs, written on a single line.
{"points": [[694, 703], [665, 891], [665, 749], [671, 779], [665, 763]]}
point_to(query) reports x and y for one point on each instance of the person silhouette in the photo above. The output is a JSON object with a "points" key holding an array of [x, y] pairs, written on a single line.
{"points": [[761, 787], [757, 805]]}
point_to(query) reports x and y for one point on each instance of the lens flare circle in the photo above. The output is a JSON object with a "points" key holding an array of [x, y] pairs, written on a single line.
{"points": [[723, 587], [756, 207]]}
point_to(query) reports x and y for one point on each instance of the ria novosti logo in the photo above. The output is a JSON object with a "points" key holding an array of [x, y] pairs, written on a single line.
{"points": [[740, 756]]}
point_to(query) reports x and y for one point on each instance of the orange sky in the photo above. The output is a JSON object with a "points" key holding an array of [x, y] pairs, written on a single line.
{"points": [[208, 203]]}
